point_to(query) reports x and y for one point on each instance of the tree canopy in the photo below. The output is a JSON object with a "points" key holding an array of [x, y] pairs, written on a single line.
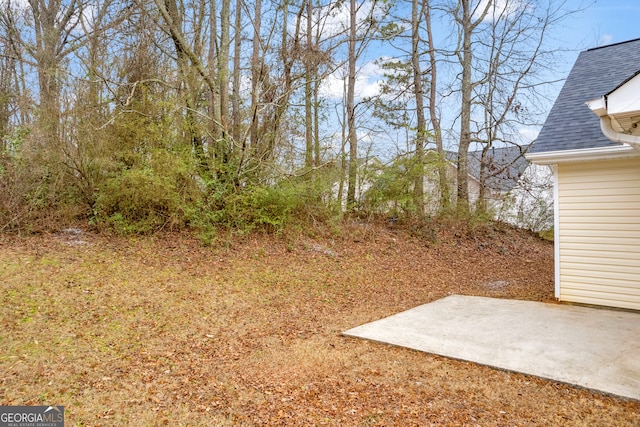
{"points": [[145, 115]]}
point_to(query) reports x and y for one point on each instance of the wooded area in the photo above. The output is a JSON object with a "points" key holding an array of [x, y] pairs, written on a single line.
{"points": [[143, 115]]}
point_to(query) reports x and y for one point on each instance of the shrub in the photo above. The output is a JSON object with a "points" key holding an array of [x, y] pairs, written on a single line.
{"points": [[33, 185], [391, 189], [547, 234], [141, 201], [269, 208]]}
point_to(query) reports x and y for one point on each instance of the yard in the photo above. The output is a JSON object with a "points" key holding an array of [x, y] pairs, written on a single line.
{"points": [[163, 331]]}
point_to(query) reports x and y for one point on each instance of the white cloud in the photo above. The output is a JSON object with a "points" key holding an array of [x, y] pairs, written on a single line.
{"points": [[88, 11], [16, 5], [333, 19], [529, 134], [333, 86], [498, 8], [368, 82], [605, 40]]}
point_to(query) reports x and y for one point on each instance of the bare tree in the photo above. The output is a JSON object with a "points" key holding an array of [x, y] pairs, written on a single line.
{"points": [[310, 76], [443, 179], [468, 19], [417, 10], [352, 136], [502, 57], [257, 70], [8, 76], [360, 33], [52, 37], [236, 119], [513, 56]]}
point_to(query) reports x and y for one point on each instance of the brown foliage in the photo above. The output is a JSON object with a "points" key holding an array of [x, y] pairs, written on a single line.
{"points": [[161, 331]]}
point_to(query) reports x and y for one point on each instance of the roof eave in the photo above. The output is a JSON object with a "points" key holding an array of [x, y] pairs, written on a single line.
{"points": [[584, 154]]}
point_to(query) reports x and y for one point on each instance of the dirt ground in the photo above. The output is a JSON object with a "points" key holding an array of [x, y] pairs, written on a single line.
{"points": [[163, 331]]}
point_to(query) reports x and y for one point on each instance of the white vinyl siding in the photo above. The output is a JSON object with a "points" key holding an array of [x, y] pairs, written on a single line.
{"points": [[599, 232]]}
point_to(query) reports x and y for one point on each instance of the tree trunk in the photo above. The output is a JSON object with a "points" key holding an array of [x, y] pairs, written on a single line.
{"points": [[184, 71], [466, 56], [351, 113], [256, 75], [308, 93], [223, 64], [235, 101], [421, 131], [443, 179], [214, 95], [316, 123]]}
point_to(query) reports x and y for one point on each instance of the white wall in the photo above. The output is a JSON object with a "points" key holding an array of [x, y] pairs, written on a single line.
{"points": [[599, 232], [530, 204]]}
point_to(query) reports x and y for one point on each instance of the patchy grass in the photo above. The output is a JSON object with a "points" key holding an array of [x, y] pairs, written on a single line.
{"points": [[162, 331]]}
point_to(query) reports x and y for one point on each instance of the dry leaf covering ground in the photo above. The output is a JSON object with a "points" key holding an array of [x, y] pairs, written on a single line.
{"points": [[162, 331]]}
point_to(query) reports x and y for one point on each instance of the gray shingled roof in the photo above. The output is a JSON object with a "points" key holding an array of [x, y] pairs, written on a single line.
{"points": [[571, 124], [504, 165]]}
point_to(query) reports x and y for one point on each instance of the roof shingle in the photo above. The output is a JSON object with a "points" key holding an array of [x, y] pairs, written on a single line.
{"points": [[503, 165], [571, 124]]}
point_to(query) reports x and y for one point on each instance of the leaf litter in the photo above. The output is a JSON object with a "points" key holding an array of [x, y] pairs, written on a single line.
{"points": [[163, 331]]}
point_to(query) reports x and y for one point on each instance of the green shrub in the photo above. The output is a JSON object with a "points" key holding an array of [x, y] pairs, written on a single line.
{"points": [[268, 208], [547, 234], [140, 201], [392, 186]]}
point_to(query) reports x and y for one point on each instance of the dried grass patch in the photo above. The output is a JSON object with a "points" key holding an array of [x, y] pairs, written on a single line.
{"points": [[161, 331]]}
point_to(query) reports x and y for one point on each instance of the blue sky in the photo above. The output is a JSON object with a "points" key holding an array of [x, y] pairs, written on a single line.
{"points": [[602, 22], [599, 23]]}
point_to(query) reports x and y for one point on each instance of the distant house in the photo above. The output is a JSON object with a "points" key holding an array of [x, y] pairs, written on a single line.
{"points": [[591, 140], [529, 204], [369, 169], [515, 191]]}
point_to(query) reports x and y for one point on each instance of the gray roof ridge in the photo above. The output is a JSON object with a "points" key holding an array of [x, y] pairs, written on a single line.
{"points": [[612, 44]]}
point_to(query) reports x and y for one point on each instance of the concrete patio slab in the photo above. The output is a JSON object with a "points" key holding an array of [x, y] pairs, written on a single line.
{"points": [[593, 348]]}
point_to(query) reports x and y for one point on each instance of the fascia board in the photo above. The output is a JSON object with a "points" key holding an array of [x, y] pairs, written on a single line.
{"points": [[598, 106], [624, 99], [581, 155]]}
